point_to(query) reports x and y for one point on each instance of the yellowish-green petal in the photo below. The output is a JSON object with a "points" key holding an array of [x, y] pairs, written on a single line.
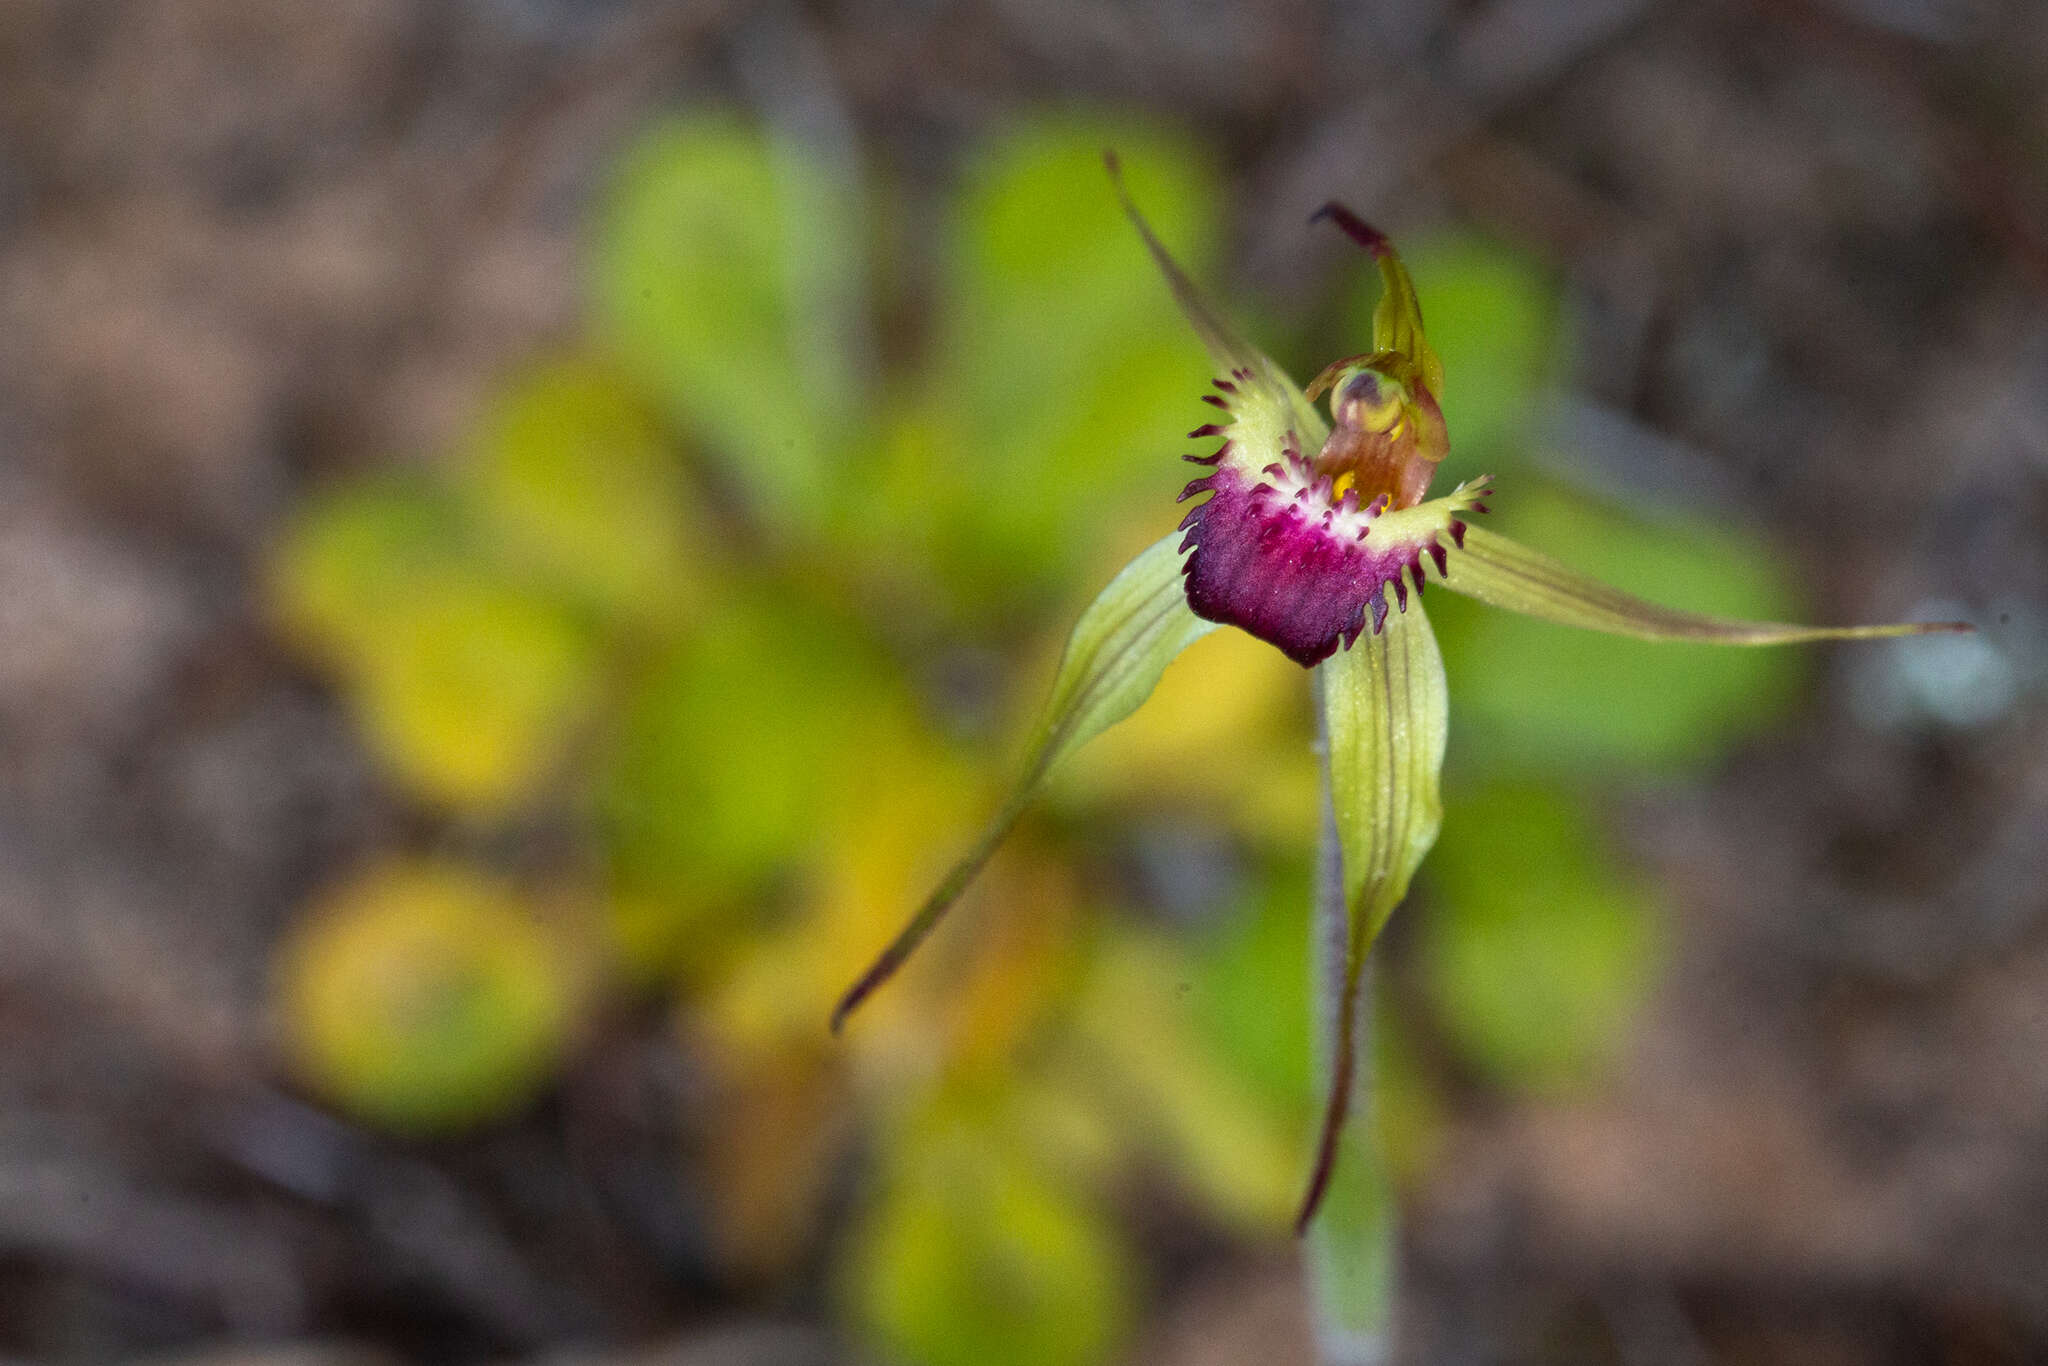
{"points": [[1504, 573], [1137, 626], [1267, 398], [1384, 706], [1385, 717]]}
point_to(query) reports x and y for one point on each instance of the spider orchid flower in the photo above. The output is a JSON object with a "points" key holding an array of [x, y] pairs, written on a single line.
{"points": [[1317, 538]]}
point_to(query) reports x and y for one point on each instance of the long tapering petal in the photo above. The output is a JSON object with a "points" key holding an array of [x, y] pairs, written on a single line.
{"points": [[1385, 712], [1504, 573], [1273, 397], [1121, 645]]}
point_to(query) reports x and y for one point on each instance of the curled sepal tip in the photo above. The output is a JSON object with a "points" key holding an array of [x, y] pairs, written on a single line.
{"points": [[1356, 228], [1121, 645], [1507, 574], [1397, 320], [1385, 713]]}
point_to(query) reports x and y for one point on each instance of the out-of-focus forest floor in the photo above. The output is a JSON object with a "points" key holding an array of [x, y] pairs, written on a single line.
{"points": [[249, 246]]}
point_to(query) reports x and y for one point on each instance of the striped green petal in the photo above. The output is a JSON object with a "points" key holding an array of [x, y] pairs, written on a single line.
{"points": [[1122, 644], [1272, 404], [1505, 573], [1384, 708]]}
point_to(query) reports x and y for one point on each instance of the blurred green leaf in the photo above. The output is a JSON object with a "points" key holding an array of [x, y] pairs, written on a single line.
{"points": [[724, 274], [729, 753], [1538, 947], [355, 549], [1217, 1127], [570, 480], [1248, 998], [1040, 252], [976, 1258], [425, 997], [466, 685], [1526, 692], [1062, 376], [475, 689], [1491, 315]]}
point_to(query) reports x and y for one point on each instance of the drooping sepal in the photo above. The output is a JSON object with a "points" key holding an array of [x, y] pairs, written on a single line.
{"points": [[1121, 645], [1507, 574], [1385, 712]]}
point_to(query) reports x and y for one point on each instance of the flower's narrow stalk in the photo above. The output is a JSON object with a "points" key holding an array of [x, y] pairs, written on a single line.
{"points": [[1350, 1247]]}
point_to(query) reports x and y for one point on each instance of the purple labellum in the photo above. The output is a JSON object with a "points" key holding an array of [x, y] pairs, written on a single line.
{"points": [[1278, 558]]}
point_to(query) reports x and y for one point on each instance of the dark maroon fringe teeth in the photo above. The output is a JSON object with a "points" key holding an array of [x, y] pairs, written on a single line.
{"points": [[1339, 585]]}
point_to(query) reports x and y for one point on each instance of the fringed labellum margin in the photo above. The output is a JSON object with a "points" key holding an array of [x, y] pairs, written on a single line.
{"points": [[1279, 552]]}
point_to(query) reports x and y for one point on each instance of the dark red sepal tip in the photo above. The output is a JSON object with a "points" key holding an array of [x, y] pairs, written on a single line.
{"points": [[1356, 228]]}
